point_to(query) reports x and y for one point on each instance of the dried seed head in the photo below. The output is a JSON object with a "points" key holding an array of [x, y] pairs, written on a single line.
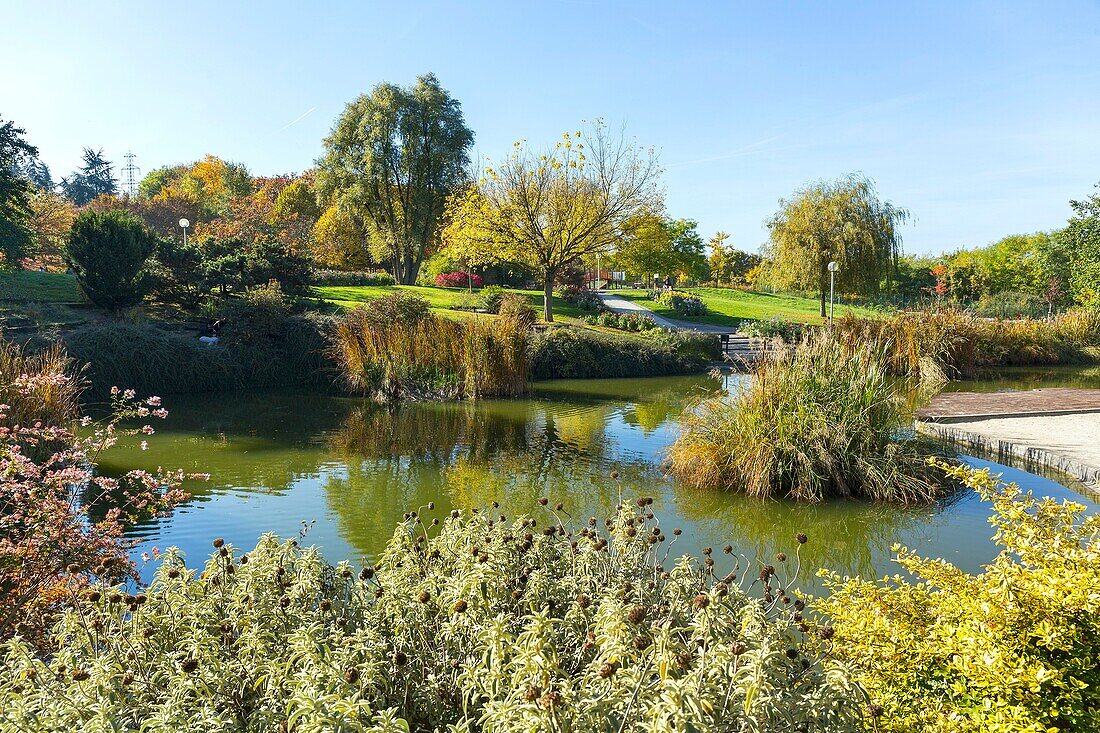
{"points": [[425, 596], [400, 658], [608, 669], [801, 537], [700, 601], [637, 614], [219, 542], [351, 675], [781, 557], [461, 606]]}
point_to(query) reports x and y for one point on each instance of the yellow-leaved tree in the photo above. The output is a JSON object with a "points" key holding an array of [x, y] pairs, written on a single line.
{"points": [[551, 209]]}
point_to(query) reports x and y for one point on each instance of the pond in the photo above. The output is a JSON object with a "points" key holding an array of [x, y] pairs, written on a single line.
{"points": [[344, 471]]}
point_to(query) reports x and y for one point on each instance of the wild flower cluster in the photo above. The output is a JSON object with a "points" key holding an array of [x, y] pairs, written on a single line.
{"points": [[467, 622], [1013, 648], [580, 297], [684, 305], [61, 524]]}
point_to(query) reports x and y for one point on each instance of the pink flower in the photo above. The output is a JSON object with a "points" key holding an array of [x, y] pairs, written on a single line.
{"points": [[153, 401], [144, 445]]}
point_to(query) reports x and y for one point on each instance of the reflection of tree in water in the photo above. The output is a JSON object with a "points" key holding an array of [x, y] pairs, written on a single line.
{"points": [[469, 455]]}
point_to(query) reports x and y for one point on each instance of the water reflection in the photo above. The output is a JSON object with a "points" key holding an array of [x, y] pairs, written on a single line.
{"points": [[278, 459]]}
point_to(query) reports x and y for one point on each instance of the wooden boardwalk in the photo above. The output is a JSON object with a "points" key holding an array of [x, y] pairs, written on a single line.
{"points": [[967, 406]]}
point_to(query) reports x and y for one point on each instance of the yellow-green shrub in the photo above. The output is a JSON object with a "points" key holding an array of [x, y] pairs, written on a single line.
{"points": [[1015, 648]]}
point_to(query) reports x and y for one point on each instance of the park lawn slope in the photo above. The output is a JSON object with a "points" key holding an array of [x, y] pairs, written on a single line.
{"points": [[39, 287], [729, 306], [442, 300]]}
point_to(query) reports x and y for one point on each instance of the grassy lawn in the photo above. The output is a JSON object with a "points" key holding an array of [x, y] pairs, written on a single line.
{"points": [[441, 300], [42, 287], [728, 307]]}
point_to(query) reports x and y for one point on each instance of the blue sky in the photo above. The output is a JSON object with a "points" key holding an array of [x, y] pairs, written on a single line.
{"points": [[983, 119]]}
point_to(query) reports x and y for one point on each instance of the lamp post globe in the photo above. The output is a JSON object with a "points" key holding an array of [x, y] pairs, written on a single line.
{"points": [[184, 223]]}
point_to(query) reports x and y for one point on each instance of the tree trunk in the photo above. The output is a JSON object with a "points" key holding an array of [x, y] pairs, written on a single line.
{"points": [[548, 298], [823, 303]]}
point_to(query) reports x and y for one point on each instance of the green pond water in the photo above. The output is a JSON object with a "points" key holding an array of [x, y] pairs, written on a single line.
{"points": [[349, 469]]}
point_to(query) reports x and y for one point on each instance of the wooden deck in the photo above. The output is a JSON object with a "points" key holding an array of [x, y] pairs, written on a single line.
{"points": [[965, 406]]}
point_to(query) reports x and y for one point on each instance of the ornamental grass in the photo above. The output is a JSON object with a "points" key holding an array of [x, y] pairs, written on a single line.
{"points": [[395, 348], [819, 419]]}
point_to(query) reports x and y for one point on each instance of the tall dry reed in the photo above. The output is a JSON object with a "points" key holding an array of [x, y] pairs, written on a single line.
{"points": [[818, 420], [395, 348]]}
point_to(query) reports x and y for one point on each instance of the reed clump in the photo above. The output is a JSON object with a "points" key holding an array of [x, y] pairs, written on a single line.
{"points": [[395, 348], [818, 420], [43, 386], [945, 343]]}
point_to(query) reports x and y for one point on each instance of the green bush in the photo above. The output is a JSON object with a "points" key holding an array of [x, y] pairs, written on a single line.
{"points": [[490, 297], [107, 252], [622, 321], [517, 308], [1009, 304], [775, 327], [572, 353], [1013, 648], [351, 277], [484, 624], [257, 316], [818, 420], [683, 304], [154, 359]]}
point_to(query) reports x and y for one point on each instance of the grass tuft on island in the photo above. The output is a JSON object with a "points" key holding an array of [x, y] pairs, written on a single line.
{"points": [[819, 420]]}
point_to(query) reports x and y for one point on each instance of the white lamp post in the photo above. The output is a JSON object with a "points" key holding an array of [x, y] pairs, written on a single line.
{"points": [[833, 267], [183, 225]]}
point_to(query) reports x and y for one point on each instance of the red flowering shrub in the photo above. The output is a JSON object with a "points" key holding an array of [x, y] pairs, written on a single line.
{"points": [[457, 280], [60, 524]]}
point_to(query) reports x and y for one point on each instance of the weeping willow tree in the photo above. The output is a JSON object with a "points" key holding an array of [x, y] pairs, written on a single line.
{"points": [[843, 221]]}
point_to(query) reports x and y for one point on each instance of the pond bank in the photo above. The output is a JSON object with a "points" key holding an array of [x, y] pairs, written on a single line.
{"points": [[1039, 428]]}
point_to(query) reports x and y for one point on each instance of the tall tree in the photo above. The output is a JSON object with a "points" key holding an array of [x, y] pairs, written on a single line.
{"points": [[1081, 240], [15, 193], [729, 264], [391, 161], [95, 177], [548, 210], [842, 220]]}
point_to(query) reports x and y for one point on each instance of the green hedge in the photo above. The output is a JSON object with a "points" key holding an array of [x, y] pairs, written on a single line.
{"points": [[154, 359], [570, 353]]}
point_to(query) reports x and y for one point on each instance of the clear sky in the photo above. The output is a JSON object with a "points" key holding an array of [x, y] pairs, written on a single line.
{"points": [[982, 118]]}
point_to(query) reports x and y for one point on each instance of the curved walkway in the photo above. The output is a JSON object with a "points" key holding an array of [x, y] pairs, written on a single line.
{"points": [[619, 304]]}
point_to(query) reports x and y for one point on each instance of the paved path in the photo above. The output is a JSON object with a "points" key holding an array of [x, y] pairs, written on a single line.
{"points": [[959, 406], [619, 304]]}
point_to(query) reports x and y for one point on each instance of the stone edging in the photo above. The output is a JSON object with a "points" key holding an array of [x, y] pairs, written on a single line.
{"points": [[1024, 456]]}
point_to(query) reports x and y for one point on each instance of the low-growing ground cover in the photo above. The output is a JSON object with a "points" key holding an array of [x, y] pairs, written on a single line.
{"points": [[729, 306]]}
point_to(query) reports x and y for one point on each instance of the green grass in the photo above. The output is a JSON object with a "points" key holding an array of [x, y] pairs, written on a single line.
{"points": [[728, 307], [43, 287], [440, 300]]}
